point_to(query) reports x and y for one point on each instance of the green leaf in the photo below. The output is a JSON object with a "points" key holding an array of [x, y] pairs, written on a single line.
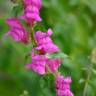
{"points": [[57, 55], [74, 2], [47, 85], [81, 80], [89, 91], [94, 71], [91, 4], [25, 93], [17, 9]]}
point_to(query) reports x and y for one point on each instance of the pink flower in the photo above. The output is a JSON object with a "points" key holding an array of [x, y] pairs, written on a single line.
{"points": [[38, 63], [63, 83], [53, 64], [45, 43], [63, 86], [31, 11], [17, 31]]}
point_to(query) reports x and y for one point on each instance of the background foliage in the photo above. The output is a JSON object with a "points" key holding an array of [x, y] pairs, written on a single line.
{"points": [[74, 26]]}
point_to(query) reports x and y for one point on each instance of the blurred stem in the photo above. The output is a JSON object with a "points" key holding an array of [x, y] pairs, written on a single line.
{"points": [[85, 87], [33, 40], [89, 72], [32, 36]]}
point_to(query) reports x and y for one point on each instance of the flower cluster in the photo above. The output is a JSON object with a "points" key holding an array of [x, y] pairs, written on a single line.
{"points": [[40, 63]]}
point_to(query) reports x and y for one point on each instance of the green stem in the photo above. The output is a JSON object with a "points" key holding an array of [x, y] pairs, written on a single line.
{"points": [[32, 36], [86, 84], [33, 40]]}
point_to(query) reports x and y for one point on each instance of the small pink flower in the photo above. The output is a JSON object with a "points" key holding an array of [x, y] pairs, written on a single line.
{"points": [[53, 64], [45, 43], [31, 11], [38, 63], [63, 86], [63, 83], [17, 31]]}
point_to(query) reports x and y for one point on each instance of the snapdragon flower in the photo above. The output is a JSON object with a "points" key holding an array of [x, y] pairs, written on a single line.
{"points": [[41, 63], [45, 43], [31, 11], [38, 64], [17, 31]]}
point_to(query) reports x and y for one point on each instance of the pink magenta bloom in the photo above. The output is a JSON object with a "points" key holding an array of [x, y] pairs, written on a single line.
{"points": [[53, 64], [17, 31], [45, 43], [38, 64], [31, 11], [63, 86]]}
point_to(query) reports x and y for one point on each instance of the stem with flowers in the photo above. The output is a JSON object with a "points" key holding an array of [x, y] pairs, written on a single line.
{"points": [[42, 45]]}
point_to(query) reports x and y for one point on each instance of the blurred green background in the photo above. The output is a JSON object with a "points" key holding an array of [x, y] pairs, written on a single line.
{"points": [[74, 26]]}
